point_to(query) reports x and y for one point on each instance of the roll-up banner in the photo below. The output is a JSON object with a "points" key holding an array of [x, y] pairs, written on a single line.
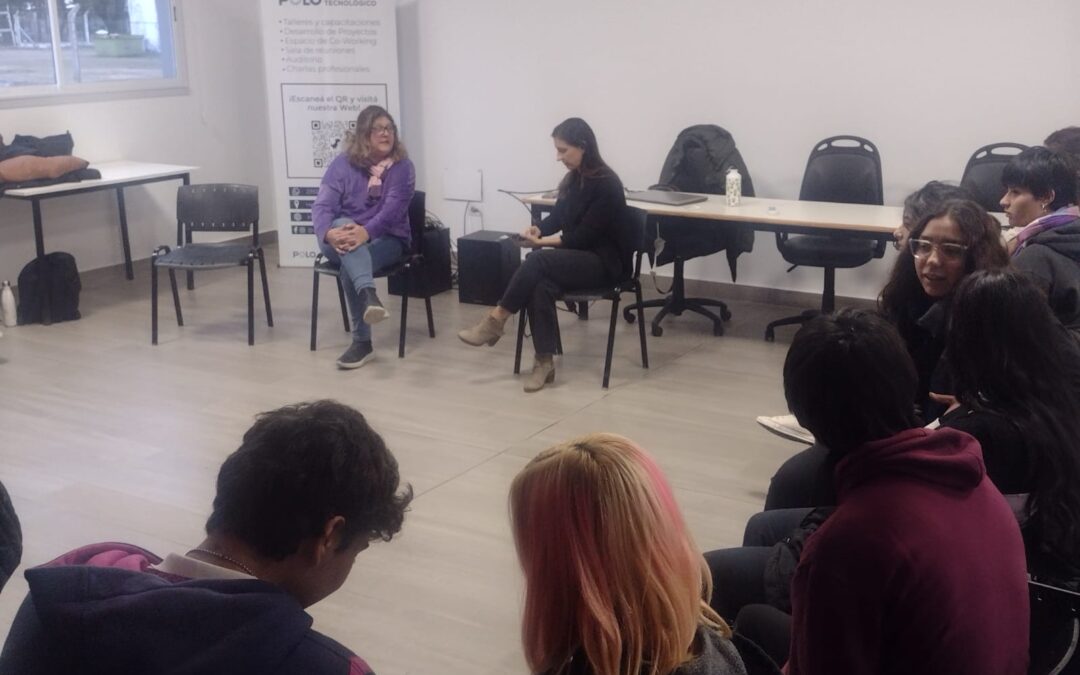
{"points": [[325, 61]]}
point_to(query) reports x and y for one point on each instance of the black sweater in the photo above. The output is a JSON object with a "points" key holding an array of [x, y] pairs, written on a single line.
{"points": [[590, 214], [1052, 260]]}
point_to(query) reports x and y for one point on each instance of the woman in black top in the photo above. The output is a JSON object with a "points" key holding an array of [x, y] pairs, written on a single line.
{"points": [[580, 248], [1017, 377]]}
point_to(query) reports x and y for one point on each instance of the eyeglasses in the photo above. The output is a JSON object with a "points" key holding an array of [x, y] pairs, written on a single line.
{"points": [[380, 130], [922, 248]]}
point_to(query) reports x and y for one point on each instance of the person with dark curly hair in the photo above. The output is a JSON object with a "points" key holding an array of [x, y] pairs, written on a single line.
{"points": [[311, 486]]}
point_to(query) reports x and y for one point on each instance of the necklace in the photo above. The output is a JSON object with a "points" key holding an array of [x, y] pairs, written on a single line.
{"points": [[243, 568]]}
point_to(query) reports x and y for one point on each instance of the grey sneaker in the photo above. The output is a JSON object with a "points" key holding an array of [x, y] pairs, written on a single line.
{"points": [[355, 356], [375, 311]]}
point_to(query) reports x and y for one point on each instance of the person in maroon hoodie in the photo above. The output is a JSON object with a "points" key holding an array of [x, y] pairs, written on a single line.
{"points": [[921, 567]]}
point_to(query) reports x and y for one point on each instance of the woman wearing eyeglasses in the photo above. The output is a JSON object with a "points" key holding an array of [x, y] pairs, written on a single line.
{"points": [[948, 242], [1041, 197], [954, 240], [361, 219]]}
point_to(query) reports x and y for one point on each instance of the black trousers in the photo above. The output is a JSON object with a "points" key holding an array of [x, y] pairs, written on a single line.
{"points": [[542, 278], [739, 582]]}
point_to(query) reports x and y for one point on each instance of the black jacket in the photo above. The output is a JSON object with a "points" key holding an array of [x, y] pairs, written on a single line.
{"points": [[1052, 260], [698, 162], [590, 214]]}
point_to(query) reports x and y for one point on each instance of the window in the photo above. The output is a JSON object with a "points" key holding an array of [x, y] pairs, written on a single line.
{"points": [[62, 47]]}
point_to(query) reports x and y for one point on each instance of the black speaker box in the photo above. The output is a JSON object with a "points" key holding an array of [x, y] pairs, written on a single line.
{"points": [[433, 276], [486, 261]]}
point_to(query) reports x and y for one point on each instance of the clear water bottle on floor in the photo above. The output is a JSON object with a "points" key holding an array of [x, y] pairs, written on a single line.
{"points": [[733, 187], [7, 304]]}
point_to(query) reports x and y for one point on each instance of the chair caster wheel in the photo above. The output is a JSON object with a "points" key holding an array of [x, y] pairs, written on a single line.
{"points": [[657, 331], [770, 336], [725, 314]]}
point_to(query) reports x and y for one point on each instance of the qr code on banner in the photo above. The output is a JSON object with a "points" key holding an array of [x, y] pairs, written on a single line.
{"points": [[328, 139]]}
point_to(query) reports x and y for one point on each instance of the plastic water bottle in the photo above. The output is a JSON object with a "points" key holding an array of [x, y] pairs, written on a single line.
{"points": [[7, 303], [733, 187]]}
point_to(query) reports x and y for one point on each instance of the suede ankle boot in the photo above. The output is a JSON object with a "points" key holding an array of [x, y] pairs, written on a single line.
{"points": [[543, 372], [488, 332]]}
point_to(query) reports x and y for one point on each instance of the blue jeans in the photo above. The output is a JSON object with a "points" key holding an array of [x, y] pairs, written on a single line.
{"points": [[358, 270]]}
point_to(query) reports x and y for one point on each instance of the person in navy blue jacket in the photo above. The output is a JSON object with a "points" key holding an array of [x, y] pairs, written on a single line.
{"points": [[309, 488]]}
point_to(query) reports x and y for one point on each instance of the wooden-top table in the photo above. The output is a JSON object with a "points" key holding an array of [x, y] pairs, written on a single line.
{"points": [[114, 176]]}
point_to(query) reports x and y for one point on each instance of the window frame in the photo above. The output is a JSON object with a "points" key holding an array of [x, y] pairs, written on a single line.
{"points": [[63, 91]]}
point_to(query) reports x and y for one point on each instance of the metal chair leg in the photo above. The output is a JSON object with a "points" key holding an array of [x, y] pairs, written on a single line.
{"points": [[641, 326], [265, 289], [314, 307], [611, 339], [401, 332], [176, 297], [251, 298], [344, 309], [430, 318], [522, 318], [153, 300]]}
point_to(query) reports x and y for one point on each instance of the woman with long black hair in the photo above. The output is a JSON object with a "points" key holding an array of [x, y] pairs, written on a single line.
{"points": [[1016, 373], [580, 248]]}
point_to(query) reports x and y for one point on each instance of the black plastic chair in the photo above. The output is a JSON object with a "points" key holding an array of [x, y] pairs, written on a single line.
{"points": [[413, 261], [982, 175], [1055, 630], [633, 231], [212, 207], [843, 169]]}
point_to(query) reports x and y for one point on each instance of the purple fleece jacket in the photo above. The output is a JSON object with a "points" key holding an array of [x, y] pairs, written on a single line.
{"points": [[344, 193]]}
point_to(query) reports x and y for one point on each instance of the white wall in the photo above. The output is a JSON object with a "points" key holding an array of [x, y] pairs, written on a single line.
{"points": [[220, 126], [484, 81], [928, 81]]}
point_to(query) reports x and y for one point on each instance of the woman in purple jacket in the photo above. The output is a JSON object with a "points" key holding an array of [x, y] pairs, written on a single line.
{"points": [[361, 219]]}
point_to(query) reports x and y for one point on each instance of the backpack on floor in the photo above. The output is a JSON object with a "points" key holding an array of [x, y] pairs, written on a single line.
{"points": [[49, 289]]}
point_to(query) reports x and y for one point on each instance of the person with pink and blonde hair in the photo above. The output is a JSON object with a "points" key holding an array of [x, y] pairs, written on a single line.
{"points": [[614, 582]]}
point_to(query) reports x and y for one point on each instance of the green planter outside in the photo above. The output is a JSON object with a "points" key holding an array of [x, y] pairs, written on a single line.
{"points": [[119, 45]]}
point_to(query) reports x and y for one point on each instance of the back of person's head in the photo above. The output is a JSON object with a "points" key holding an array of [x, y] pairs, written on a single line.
{"points": [[1045, 174], [1008, 352], [981, 235], [300, 466], [928, 199], [849, 380], [1065, 142], [577, 132], [612, 573]]}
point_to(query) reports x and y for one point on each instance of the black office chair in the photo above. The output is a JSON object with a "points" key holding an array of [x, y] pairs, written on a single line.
{"points": [[697, 162], [212, 207], [1054, 629], [407, 265], [844, 169], [982, 175], [633, 233]]}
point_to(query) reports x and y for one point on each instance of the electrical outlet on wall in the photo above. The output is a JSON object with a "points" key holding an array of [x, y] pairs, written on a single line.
{"points": [[474, 217]]}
